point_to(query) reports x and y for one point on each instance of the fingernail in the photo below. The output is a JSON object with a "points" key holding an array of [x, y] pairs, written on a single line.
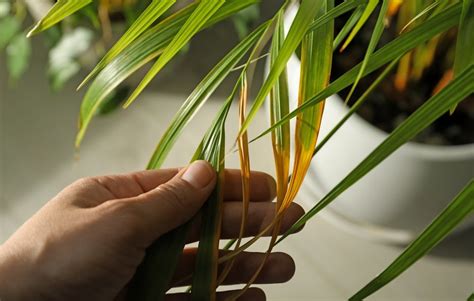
{"points": [[199, 174]]}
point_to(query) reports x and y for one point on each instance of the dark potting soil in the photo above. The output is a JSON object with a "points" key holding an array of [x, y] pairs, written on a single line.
{"points": [[387, 107]]}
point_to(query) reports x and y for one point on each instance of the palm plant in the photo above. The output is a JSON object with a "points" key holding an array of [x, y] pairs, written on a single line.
{"points": [[312, 32]]}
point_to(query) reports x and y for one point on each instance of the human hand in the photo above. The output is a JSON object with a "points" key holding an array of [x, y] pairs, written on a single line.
{"points": [[87, 242]]}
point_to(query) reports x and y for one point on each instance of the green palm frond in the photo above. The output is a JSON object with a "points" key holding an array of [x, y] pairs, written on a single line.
{"points": [[203, 12], [374, 40], [212, 149], [368, 10], [349, 25], [144, 21], [464, 49]]}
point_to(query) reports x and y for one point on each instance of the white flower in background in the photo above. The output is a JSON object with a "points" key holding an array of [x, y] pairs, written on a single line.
{"points": [[63, 58], [5, 7]]}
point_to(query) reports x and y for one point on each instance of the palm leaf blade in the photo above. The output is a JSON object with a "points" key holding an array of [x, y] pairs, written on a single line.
{"points": [[154, 275], [335, 12], [464, 51], [196, 21], [59, 11], [369, 9], [348, 26], [459, 209], [279, 107], [211, 149], [303, 19], [144, 21], [316, 63], [424, 12], [374, 40]]}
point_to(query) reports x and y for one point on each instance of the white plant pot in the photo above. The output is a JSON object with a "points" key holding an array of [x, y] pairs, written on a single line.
{"points": [[404, 193]]}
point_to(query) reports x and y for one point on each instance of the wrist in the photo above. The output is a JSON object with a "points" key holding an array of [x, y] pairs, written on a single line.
{"points": [[15, 280]]}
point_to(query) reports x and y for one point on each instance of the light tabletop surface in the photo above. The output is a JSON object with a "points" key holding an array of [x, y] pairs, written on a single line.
{"points": [[38, 160]]}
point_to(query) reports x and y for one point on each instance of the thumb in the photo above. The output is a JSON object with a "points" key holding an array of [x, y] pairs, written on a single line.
{"points": [[175, 202]]}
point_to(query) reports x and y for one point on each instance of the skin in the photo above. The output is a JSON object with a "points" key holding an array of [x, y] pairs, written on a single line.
{"points": [[87, 242]]}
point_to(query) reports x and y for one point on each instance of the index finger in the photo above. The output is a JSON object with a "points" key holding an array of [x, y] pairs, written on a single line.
{"points": [[262, 185]]}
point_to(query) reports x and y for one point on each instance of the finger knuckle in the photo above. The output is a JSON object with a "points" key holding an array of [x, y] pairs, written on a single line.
{"points": [[84, 182]]}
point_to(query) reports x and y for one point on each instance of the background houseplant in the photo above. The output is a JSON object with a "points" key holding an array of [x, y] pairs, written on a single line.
{"points": [[165, 40], [77, 44], [73, 45]]}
